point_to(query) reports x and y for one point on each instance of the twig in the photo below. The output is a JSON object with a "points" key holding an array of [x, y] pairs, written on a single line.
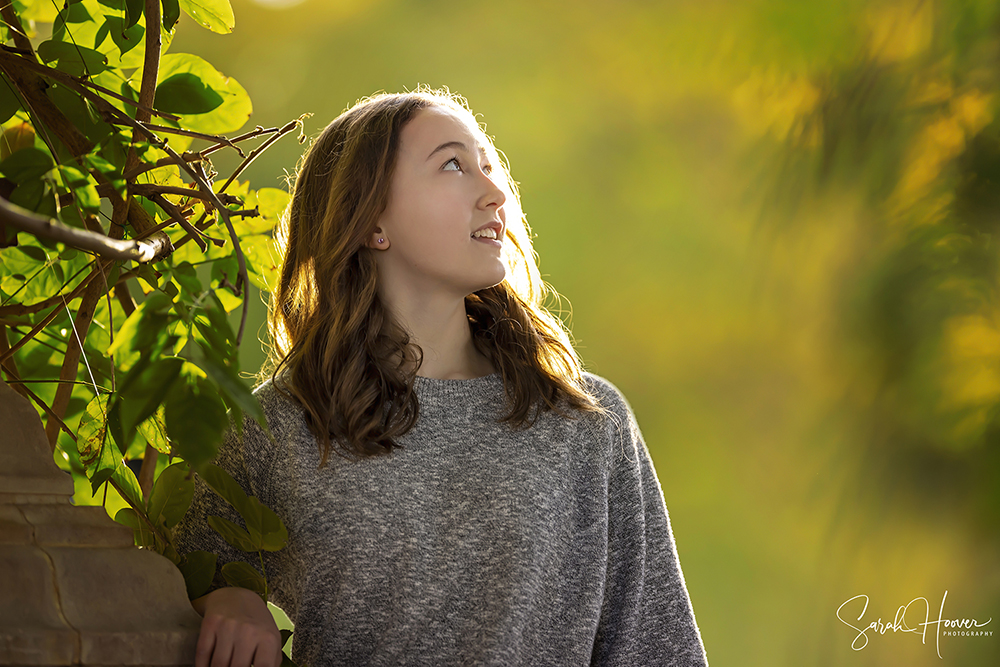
{"points": [[21, 309], [74, 349], [188, 156], [10, 364], [288, 127], [219, 206], [258, 131], [31, 334], [21, 40], [148, 190], [194, 135], [201, 225], [141, 251], [175, 214], [111, 93], [51, 415], [105, 389], [150, 71]]}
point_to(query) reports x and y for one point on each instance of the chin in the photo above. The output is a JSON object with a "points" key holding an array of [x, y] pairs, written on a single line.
{"points": [[493, 280]]}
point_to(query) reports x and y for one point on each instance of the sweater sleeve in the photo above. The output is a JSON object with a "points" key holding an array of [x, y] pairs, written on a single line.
{"points": [[193, 532], [647, 618]]}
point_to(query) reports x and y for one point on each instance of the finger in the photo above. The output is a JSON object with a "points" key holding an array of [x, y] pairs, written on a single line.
{"points": [[223, 652], [206, 643], [268, 653], [243, 653]]}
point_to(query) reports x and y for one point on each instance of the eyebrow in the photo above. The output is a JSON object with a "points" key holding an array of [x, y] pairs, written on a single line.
{"points": [[454, 144]]}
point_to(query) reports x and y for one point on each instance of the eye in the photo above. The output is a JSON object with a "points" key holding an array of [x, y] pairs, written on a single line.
{"points": [[454, 160], [488, 169]]}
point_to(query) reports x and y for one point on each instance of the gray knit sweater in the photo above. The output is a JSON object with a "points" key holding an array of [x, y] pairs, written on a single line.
{"points": [[474, 544]]}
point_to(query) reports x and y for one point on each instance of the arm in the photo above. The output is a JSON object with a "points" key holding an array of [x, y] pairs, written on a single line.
{"points": [[237, 630], [647, 617]]}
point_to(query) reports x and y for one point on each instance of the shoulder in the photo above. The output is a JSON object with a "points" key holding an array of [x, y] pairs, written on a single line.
{"points": [[607, 394], [283, 417], [615, 422], [280, 408], [609, 397]]}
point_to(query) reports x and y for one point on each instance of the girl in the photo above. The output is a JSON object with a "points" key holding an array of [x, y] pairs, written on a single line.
{"points": [[456, 489]]}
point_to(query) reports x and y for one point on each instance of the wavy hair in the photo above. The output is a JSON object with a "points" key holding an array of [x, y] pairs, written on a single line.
{"points": [[335, 347]]}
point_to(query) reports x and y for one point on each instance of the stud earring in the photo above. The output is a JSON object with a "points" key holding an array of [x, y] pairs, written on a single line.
{"points": [[381, 240]]}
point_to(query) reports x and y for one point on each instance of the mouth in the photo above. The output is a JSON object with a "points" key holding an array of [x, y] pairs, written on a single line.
{"points": [[492, 231]]}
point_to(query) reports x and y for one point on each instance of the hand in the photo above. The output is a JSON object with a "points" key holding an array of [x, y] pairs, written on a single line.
{"points": [[238, 630]]}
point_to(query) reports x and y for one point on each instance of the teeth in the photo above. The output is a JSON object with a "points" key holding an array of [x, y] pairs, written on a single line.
{"points": [[489, 233]]}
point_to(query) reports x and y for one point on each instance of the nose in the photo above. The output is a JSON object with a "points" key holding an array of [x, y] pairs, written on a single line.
{"points": [[493, 194]]}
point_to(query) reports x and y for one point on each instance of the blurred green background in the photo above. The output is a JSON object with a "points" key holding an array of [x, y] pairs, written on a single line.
{"points": [[776, 226]]}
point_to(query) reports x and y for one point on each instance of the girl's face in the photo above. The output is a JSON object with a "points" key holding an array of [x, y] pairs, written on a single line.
{"points": [[443, 228]]}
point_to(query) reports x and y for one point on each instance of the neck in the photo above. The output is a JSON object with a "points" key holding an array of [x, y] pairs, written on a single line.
{"points": [[441, 328]]}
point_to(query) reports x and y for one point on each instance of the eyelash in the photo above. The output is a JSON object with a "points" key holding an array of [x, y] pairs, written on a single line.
{"points": [[488, 169]]}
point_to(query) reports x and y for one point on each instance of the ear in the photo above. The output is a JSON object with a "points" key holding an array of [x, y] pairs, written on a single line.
{"points": [[378, 240]]}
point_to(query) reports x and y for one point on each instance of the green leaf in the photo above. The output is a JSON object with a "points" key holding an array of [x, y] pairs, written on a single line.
{"points": [[126, 37], [91, 435], [9, 102], [144, 326], [30, 195], [171, 495], [242, 575], [110, 172], [217, 340], [26, 164], [184, 93], [198, 568], [262, 268], [236, 107], [80, 112], [154, 431], [187, 277], [125, 479], [144, 537], [143, 392], [223, 484], [216, 15], [71, 58], [265, 527], [171, 13], [232, 534], [272, 202], [133, 12], [83, 189], [196, 420], [233, 388], [101, 459]]}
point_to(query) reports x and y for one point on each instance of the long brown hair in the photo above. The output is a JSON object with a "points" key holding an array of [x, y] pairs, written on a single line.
{"points": [[334, 346]]}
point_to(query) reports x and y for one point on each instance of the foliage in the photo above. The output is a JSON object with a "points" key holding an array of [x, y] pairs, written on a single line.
{"points": [[118, 264]]}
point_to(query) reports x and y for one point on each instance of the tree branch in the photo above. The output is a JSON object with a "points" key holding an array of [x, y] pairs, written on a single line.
{"points": [[141, 251], [288, 127], [110, 93], [177, 217], [149, 190], [21, 40], [218, 138], [9, 365], [187, 156], [31, 334], [21, 309]]}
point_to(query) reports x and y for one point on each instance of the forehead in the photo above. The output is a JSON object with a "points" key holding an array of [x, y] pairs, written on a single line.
{"points": [[435, 125]]}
